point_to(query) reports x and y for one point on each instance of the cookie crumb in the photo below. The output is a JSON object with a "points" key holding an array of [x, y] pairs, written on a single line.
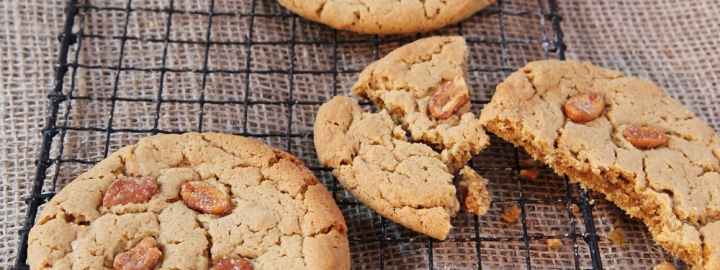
{"points": [[617, 236], [477, 197], [553, 244], [665, 266], [529, 174], [511, 215]]}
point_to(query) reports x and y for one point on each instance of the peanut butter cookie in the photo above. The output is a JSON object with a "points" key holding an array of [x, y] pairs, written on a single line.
{"points": [[422, 85], [404, 181], [623, 137], [192, 201], [386, 17]]}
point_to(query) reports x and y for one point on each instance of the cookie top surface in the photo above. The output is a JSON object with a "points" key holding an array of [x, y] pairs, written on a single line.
{"points": [[406, 182], [386, 17], [590, 119], [423, 86], [200, 200]]}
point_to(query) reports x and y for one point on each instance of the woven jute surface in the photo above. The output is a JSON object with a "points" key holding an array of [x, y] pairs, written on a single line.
{"points": [[674, 43]]}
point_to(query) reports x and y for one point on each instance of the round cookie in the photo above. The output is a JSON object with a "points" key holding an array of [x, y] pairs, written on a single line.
{"points": [[386, 17], [192, 201]]}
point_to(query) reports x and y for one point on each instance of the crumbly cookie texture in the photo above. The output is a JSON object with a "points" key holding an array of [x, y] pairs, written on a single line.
{"points": [[281, 216], [672, 185], [405, 182], [422, 85], [386, 17], [477, 197]]}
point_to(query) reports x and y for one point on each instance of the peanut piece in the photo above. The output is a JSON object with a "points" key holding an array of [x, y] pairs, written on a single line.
{"points": [[645, 137], [511, 215], [529, 174], [203, 197], [584, 108], [448, 99], [144, 256], [129, 190], [232, 264]]}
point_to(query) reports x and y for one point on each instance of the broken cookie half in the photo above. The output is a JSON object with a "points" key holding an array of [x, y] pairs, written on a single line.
{"points": [[404, 181], [623, 137], [422, 85]]}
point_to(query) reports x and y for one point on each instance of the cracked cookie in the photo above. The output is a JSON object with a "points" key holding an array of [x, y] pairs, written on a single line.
{"points": [[386, 17], [422, 85], [643, 150], [192, 201], [406, 182]]}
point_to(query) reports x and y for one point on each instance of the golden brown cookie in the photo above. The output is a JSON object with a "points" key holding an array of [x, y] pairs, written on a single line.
{"points": [[403, 181], [192, 201], [423, 86], [386, 17], [646, 152], [477, 197]]}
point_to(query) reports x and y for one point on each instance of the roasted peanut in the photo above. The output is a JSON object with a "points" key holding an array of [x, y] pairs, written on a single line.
{"points": [[129, 190], [529, 174], [203, 197], [232, 264], [448, 99], [645, 137], [584, 108], [144, 256]]}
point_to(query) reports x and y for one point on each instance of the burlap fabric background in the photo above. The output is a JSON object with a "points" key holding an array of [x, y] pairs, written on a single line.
{"points": [[674, 43]]}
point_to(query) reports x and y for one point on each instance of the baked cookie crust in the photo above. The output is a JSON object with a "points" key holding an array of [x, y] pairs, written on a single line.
{"points": [[646, 152], [281, 216], [386, 17]]}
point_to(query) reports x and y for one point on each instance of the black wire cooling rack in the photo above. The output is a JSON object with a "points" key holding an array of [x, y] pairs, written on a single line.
{"points": [[383, 245]]}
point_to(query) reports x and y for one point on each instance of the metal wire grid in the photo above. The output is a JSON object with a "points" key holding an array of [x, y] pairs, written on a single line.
{"points": [[74, 34]]}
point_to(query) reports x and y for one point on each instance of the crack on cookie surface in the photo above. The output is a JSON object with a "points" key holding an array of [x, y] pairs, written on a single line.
{"points": [[403, 181], [403, 82]]}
